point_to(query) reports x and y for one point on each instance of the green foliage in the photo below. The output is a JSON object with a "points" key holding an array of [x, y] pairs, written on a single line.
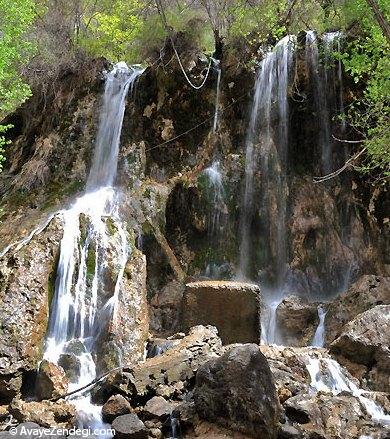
{"points": [[258, 21], [3, 142], [15, 50], [127, 30], [15, 19], [367, 60]]}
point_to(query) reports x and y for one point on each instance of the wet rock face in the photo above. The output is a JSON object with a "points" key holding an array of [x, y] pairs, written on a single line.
{"points": [[367, 292], [237, 390], [51, 381], [124, 339], [297, 321], [233, 307], [27, 280]]}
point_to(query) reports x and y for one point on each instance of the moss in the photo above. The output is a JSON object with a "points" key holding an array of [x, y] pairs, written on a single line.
{"points": [[51, 285], [111, 226]]}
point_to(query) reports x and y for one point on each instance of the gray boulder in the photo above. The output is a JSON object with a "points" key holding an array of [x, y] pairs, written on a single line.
{"points": [[129, 427], [238, 391]]}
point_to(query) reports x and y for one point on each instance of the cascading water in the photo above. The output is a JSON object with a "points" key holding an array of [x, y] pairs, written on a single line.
{"points": [[319, 336], [271, 86], [319, 79], [217, 67], [83, 302], [328, 376], [325, 76]]}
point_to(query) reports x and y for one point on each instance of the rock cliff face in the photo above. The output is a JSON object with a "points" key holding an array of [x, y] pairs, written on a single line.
{"points": [[180, 187], [27, 277]]}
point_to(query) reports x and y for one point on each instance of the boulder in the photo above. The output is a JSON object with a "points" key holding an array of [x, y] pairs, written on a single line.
{"points": [[365, 336], [169, 374], [116, 405], [233, 307], [129, 427], [297, 321], [368, 291], [238, 391], [366, 341], [27, 282], [47, 414], [158, 407], [71, 364], [52, 381]]}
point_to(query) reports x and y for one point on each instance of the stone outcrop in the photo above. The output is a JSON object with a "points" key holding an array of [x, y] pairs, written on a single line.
{"points": [[366, 341], [116, 405], [297, 320], [367, 292], [51, 381], [238, 391], [26, 286], [233, 307], [171, 373]]}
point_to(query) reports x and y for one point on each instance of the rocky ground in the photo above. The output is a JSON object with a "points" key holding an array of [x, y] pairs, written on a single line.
{"points": [[204, 388]]}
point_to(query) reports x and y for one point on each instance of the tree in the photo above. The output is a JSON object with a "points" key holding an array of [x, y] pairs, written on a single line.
{"points": [[15, 51]]}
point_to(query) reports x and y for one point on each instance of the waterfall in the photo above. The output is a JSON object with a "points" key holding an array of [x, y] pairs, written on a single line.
{"points": [[328, 376], [319, 80], [319, 336], [215, 198], [84, 299], [271, 85], [217, 67]]}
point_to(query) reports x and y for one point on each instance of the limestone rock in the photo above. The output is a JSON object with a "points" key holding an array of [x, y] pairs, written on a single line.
{"points": [[46, 413], [366, 340], [51, 381], [238, 391], [297, 320], [116, 405], [27, 281], [158, 407], [367, 292], [233, 307], [129, 427]]}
